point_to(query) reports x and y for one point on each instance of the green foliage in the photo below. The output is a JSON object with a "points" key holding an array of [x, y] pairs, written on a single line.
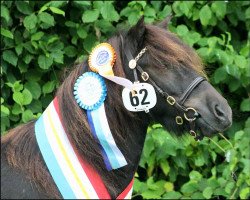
{"points": [[40, 38]]}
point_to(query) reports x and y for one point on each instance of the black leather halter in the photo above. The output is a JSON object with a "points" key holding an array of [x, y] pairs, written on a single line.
{"points": [[189, 113]]}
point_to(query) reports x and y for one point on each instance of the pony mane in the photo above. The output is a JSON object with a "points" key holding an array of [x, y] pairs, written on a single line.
{"points": [[171, 50], [23, 148]]}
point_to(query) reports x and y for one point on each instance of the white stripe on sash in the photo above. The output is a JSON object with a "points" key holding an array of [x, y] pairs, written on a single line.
{"points": [[129, 195]]}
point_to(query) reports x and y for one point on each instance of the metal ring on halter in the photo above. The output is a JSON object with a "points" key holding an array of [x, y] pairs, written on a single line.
{"points": [[192, 133], [195, 114], [171, 100]]}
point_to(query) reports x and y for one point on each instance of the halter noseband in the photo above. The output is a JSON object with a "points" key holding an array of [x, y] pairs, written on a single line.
{"points": [[189, 113]]}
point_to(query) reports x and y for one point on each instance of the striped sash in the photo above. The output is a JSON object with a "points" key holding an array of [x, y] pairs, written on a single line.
{"points": [[74, 178]]}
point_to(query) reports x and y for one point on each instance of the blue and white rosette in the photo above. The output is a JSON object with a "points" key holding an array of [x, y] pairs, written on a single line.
{"points": [[90, 92]]}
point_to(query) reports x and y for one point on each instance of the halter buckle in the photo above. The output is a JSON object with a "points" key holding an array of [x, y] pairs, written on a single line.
{"points": [[195, 114], [145, 76], [179, 120], [192, 133], [171, 100]]}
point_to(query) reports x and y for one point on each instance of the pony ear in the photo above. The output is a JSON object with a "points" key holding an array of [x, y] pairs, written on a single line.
{"points": [[137, 32], [165, 22]]}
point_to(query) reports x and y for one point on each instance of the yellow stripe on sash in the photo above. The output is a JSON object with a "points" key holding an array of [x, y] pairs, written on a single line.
{"points": [[66, 156]]}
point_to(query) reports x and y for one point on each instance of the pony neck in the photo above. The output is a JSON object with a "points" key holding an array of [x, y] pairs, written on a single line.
{"points": [[130, 139]]}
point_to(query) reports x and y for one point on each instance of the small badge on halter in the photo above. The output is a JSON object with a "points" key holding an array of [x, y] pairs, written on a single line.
{"points": [[141, 98], [102, 59], [90, 91]]}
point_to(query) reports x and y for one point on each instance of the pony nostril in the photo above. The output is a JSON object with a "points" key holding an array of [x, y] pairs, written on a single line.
{"points": [[219, 112]]}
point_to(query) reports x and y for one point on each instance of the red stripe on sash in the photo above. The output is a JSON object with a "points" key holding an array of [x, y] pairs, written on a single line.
{"points": [[93, 176], [126, 191]]}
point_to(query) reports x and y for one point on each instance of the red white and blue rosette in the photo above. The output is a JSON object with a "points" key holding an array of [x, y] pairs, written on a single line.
{"points": [[90, 91]]}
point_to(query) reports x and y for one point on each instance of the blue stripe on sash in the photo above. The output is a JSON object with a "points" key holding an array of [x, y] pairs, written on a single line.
{"points": [[51, 161], [114, 155], [105, 157]]}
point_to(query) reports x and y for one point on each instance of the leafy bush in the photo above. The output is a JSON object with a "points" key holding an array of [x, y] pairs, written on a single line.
{"points": [[40, 38]]}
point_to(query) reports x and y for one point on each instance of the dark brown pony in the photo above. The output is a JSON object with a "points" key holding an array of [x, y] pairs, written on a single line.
{"points": [[170, 63]]}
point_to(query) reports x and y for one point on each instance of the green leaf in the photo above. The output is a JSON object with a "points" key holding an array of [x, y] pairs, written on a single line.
{"points": [[232, 70], [81, 32], [185, 7], [219, 8], [82, 4], [133, 17], [35, 106], [4, 110], [89, 42], [6, 33], [244, 193], [27, 58], [57, 4], [245, 105], [34, 89], [10, 57], [23, 7], [165, 167], [105, 26], [182, 30], [30, 22], [90, 16], [57, 11], [150, 194], [70, 51], [195, 175], [45, 62], [229, 187], [241, 61], [48, 87], [149, 147], [47, 18], [37, 36], [5, 13], [172, 195], [189, 187], [207, 193], [19, 49], [27, 116], [165, 12], [18, 98], [43, 8], [149, 12], [220, 75], [57, 56], [16, 109], [126, 11], [205, 15], [108, 12], [27, 97], [17, 86], [169, 186]]}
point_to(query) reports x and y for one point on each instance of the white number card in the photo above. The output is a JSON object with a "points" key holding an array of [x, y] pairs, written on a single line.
{"points": [[142, 98]]}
